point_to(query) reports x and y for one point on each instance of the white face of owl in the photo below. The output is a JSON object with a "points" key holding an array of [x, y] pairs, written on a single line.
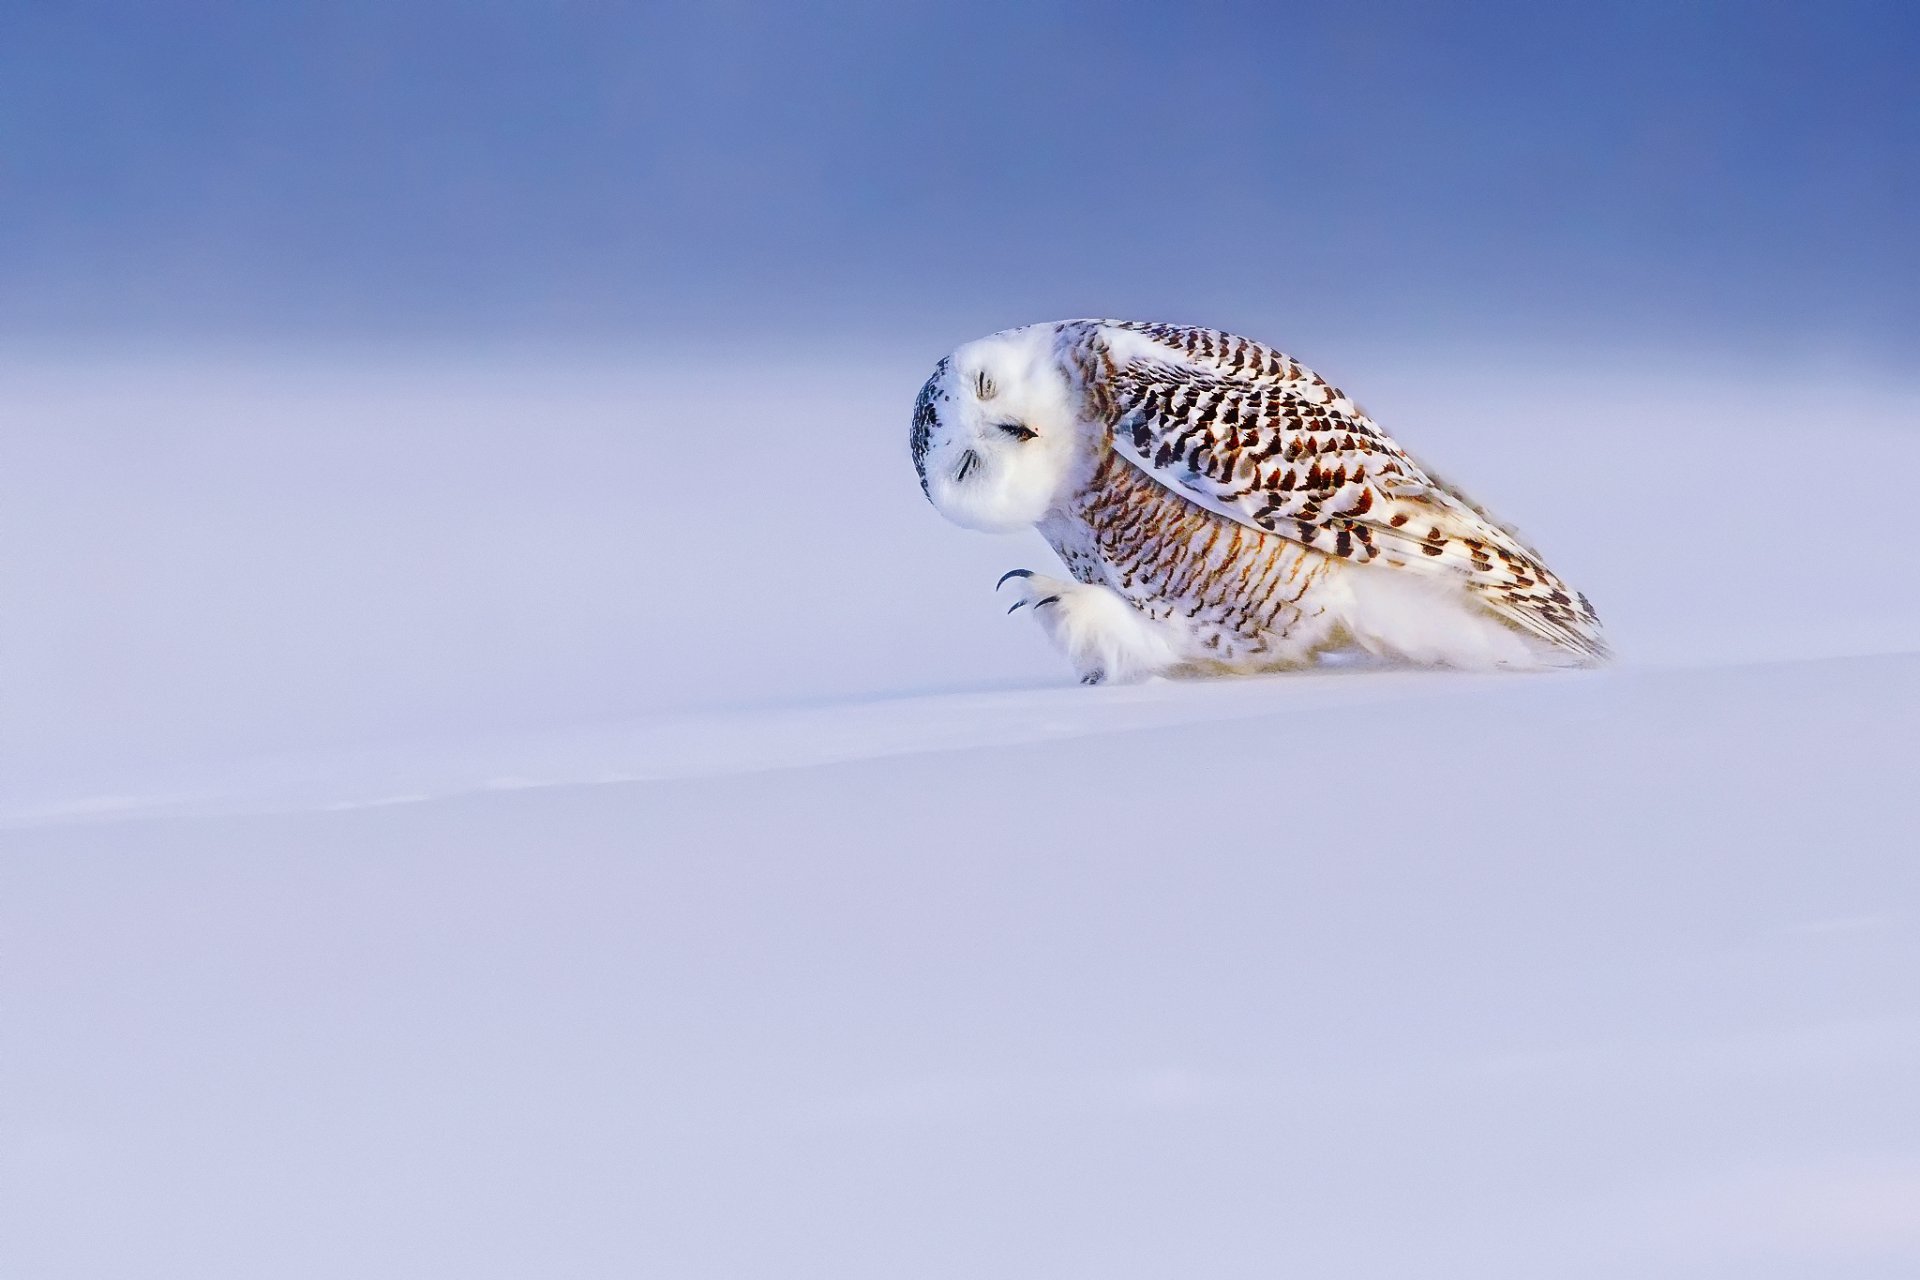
{"points": [[996, 432]]}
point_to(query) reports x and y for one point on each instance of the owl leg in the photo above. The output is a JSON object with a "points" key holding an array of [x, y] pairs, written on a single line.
{"points": [[1101, 634]]}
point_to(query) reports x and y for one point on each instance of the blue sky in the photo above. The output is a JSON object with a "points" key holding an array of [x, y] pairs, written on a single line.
{"points": [[1742, 173]]}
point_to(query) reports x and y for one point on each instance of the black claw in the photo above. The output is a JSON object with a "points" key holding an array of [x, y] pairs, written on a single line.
{"points": [[1012, 573], [1049, 600], [1016, 605], [1093, 677]]}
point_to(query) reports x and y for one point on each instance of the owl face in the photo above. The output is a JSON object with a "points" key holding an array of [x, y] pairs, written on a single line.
{"points": [[996, 436]]}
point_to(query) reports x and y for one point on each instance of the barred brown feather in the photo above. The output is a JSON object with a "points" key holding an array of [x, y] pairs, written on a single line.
{"points": [[1251, 434]]}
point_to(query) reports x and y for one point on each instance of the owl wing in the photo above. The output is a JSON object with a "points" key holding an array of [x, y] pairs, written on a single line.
{"points": [[1253, 435]]}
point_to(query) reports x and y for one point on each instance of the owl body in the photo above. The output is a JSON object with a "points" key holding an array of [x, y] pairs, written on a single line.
{"points": [[1221, 508], [1226, 596]]}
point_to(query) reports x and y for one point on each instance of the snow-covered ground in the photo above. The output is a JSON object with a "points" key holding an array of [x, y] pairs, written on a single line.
{"points": [[545, 817]]}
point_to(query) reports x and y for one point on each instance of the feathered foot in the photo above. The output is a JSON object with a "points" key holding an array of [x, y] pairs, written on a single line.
{"points": [[1103, 636]]}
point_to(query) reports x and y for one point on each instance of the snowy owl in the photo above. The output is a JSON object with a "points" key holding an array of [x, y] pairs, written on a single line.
{"points": [[1221, 508]]}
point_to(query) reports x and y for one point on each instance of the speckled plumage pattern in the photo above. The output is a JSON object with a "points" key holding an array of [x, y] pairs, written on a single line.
{"points": [[1247, 510], [1261, 438], [1245, 595]]}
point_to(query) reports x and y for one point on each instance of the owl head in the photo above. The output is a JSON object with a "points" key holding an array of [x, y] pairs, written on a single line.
{"points": [[997, 435]]}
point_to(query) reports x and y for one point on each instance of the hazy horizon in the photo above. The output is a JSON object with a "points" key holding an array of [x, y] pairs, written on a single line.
{"points": [[1720, 178]]}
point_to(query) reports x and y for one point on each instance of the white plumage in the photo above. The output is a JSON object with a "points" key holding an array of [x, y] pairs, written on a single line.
{"points": [[1222, 508]]}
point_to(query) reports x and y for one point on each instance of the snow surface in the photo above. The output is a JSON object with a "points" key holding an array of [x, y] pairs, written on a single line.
{"points": [[524, 818]]}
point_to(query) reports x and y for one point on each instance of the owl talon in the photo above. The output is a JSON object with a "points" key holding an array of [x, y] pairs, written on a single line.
{"points": [[1094, 677], [1037, 604], [1012, 573]]}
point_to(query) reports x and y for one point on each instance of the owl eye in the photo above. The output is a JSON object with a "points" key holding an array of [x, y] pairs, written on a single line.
{"points": [[1019, 431], [983, 385]]}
